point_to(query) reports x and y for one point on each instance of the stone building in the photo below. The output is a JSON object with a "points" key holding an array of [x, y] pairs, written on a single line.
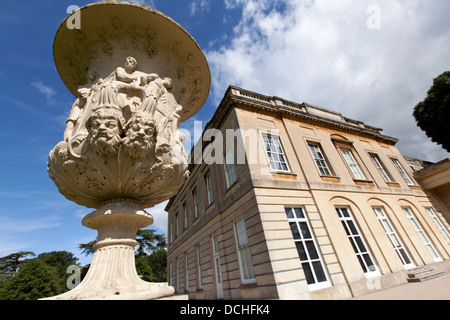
{"points": [[292, 201]]}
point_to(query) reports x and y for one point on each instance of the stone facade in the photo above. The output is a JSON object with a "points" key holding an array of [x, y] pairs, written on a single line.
{"points": [[309, 205]]}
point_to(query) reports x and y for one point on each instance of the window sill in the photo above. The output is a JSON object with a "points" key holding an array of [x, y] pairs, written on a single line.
{"points": [[249, 285], [364, 182], [232, 185], [393, 184], [288, 173], [330, 178]]}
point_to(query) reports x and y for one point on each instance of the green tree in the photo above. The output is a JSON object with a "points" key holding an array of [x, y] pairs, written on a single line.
{"points": [[144, 269], [60, 260], [158, 262], [433, 113], [151, 256], [34, 280], [10, 264]]}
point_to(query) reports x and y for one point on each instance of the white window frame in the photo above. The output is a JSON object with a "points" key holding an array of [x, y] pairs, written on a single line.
{"points": [[361, 249], [380, 167], [277, 151], [319, 159], [171, 274], [243, 249], [229, 167], [402, 172], [171, 231], [297, 216], [195, 201], [397, 243], [432, 213], [217, 266], [353, 165], [422, 234], [185, 213], [186, 272], [199, 268], [209, 189]]}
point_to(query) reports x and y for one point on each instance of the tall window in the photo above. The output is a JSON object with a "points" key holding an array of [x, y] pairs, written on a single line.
{"points": [[423, 236], [319, 159], [185, 215], [209, 190], [438, 223], [230, 167], [170, 274], [186, 272], [402, 171], [171, 231], [245, 261], [377, 162], [177, 227], [393, 236], [194, 198], [307, 249], [357, 241], [199, 268], [353, 165], [275, 152]]}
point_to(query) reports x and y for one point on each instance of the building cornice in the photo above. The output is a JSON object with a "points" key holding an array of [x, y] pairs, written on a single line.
{"points": [[238, 97]]}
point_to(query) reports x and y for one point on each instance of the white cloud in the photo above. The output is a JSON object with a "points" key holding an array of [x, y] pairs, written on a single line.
{"points": [[47, 91], [159, 217], [323, 52], [148, 3], [199, 6]]}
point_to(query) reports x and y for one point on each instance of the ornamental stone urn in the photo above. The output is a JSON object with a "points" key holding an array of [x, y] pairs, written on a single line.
{"points": [[136, 75]]}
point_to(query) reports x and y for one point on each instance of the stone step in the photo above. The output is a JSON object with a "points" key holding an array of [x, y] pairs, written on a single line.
{"points": [[421, 274]]}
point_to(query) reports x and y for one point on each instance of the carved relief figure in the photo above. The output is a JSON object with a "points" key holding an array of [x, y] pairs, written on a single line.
{"points": [[116, 145], [140, 135], [105, 127]]}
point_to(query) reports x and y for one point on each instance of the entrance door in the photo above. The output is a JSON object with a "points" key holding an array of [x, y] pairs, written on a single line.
{"points": [[217, 269]]}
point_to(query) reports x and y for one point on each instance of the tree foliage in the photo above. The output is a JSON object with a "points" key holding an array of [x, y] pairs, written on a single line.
{"points": [[40, 277], [26, 278], [34, 280], [10, 264], [433, 113], [151, 256]]}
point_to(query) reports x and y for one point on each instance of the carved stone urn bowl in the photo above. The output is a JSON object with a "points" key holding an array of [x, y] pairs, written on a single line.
{"points": [[136, 74]]}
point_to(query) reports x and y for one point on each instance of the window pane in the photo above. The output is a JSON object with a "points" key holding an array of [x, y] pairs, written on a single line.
{"points": [[289, 213], [311, 250], [369, 262], [301, 251], [361, 246], [298, 213], [318, 269], [295, 231], [305, 230], [308, 273], [352, 227], [361, 262], [346, 228], [404, 256]]}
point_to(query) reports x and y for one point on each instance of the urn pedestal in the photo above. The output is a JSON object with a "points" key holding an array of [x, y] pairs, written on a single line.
{"points": [[136, 75]]}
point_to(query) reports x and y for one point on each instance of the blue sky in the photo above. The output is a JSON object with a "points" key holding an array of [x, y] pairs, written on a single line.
{"points": [[326, 52]]}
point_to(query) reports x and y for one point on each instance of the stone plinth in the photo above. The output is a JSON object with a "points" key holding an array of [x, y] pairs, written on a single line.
{"points": [[112, 274]]}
